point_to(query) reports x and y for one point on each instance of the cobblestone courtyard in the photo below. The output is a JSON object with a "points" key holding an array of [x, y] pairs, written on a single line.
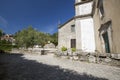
{"points": [[49, 67]]}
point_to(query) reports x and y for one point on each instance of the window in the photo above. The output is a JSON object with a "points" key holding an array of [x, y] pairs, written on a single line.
{"points": [[101, 8], [73, 43], [72, 28]]}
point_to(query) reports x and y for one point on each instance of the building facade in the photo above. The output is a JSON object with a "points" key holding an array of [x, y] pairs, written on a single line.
{"points": [[82, 38], [84, 25], [106, 16], [67, 34], [96, 27]]}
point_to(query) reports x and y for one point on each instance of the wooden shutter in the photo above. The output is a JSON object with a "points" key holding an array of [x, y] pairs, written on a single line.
{"points": [[73, 43]]}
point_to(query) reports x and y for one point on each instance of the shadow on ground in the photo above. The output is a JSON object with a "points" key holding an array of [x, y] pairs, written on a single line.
{"points": [[15, 67]]}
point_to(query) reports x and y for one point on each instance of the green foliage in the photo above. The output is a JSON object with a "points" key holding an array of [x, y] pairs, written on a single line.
{"points": [[73, 49], [55, 38], [29, 37], [5, 45], [64, 48], [1, 32]]}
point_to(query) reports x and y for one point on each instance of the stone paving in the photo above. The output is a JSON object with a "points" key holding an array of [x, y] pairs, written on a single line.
{"points": [[49, 67]]}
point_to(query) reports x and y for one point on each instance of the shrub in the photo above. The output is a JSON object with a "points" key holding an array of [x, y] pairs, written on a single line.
{"points": [[73, 49], [64, 48], [5, 46]]}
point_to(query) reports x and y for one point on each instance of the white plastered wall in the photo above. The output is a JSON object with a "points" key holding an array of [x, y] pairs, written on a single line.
{"points": [[87, 35], [84, 9]]}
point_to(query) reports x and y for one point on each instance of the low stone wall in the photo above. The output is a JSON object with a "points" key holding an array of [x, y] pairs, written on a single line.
{"points": [[40, 51], [115, 56], [98, 58]]}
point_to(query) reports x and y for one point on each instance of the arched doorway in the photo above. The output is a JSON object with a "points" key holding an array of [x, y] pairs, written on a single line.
{"points": [[106, 42]]}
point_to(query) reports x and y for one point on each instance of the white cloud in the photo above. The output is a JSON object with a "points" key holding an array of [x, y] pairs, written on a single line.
{"points": [[3, 22], [51, 28]]}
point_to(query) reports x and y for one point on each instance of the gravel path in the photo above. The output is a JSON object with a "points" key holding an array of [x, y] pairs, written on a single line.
{"points": [[48, 67]]}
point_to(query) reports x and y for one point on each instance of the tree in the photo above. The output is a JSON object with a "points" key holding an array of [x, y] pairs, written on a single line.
{"points": [[29, 37], [1, 32], [55, 38]]}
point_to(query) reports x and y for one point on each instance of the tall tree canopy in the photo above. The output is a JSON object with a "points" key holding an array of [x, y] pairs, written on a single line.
{"points": [[55, 38], [29, 37]]}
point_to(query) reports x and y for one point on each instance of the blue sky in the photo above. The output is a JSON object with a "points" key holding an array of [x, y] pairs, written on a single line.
{"points": [[43, 15]]}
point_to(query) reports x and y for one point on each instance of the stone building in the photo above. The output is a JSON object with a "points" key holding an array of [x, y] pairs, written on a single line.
{"points": [[76, 32], [106, 14], [96, 25], [84, 25], [67, 34], [8, 37]]}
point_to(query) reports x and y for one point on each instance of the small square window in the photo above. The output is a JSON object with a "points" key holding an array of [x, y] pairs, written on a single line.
{"points": [[72, 28]]}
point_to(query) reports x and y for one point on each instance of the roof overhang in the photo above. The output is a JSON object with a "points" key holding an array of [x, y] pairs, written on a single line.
{"points": [[83, 2], [105, 26], [60, 26]]}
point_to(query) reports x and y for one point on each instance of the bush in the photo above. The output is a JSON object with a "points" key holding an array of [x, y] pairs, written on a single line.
{"points": [[5, 46], [64, 48], [73, 49]]}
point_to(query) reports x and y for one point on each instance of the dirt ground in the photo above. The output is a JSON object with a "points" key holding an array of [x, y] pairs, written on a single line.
{"points": [[48, 67]]}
